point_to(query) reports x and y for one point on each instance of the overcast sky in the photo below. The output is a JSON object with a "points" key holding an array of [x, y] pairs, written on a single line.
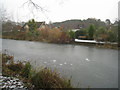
{"points": [[61, 10]]}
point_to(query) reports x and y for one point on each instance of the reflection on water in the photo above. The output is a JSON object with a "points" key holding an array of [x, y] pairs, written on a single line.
{"points": [[87, 65]]}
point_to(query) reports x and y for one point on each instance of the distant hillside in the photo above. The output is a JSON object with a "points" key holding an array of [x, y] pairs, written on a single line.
{"points": [[77, 24]]}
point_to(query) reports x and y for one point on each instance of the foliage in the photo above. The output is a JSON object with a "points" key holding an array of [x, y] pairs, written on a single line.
{"points": [[26, 72], [91, 31], [112, 37], [119, 32], [101, 30], [10, 69], [64, 38], [47, 78], [101, 34], [71, 34], [15, 67], [32, 25], [54, 35]]}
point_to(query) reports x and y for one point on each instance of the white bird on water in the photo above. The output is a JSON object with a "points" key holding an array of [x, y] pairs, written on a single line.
{"points": [[87, 59], [61, 64], [54, 60]]}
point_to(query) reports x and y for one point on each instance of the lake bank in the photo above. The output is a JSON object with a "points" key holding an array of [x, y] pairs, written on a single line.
{"points": [[32, 78], [99, 45]]}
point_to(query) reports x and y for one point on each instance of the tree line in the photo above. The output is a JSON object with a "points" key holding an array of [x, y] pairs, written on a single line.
{"points": [[59, 35]]}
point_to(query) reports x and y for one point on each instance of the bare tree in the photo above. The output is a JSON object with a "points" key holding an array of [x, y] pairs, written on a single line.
{"points": [[35, 6], [3, 14], [31, 3], [39, 8]]}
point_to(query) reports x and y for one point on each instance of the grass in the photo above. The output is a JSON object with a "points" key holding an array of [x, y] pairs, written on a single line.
{"points": [[43, 78], [26, 71], [47, 78]]}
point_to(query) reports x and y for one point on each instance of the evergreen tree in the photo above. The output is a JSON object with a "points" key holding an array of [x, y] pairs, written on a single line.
{"points": [[91, 31], [32, 25]]}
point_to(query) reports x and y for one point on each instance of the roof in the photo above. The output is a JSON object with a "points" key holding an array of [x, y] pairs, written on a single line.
{"points": [[38, 24]]}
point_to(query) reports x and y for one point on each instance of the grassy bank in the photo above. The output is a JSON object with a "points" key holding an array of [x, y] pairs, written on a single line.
{"points": [[43, 78]]}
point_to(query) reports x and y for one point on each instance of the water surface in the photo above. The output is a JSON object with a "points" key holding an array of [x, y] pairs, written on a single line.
{"points": [[88, 66]]}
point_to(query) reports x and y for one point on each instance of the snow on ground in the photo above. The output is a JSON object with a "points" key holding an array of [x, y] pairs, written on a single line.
{"points": [[11, 83]]}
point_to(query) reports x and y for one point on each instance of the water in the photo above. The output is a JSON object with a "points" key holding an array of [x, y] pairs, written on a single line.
{"points": [[88, 66], [0, 64]]}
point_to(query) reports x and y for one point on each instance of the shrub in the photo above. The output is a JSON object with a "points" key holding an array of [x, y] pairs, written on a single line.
{"points": [[71, 34]]}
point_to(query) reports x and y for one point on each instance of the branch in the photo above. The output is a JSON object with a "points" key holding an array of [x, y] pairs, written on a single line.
{"points": [[35, 5]]}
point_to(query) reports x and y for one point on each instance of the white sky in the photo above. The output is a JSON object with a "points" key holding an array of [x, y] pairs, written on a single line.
{"points": [[61, 10]]}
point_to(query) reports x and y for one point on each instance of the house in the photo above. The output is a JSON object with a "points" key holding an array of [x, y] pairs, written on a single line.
{"points": [[25, 27], [39, 25], [18, 28], [59, 27]]}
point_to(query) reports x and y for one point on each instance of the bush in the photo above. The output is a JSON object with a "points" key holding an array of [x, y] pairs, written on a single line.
{"points": [[71, 34]]}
